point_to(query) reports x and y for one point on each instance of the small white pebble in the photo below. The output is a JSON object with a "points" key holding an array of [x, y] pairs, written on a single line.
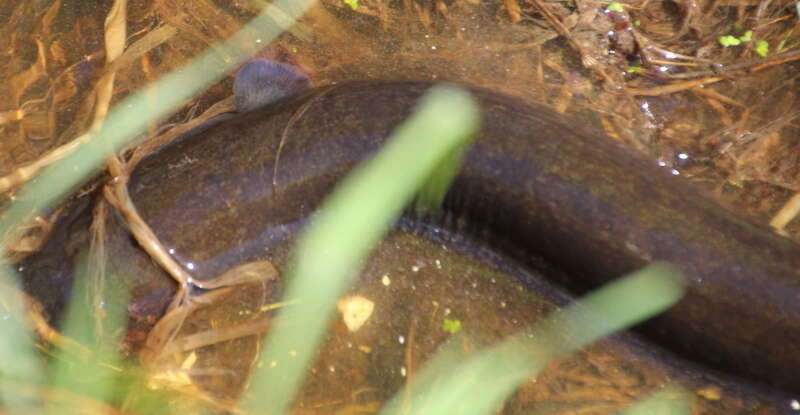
{"points": [[356, 311]]}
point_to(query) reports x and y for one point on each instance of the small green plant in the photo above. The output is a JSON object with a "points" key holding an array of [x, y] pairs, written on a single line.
{"points": [[451, 326], [729, 40], [634, 69], [352, 3], [746, 36], [615, 7], [762, 48]]}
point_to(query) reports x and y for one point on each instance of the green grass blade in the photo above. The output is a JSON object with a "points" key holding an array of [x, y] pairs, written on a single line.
{"points": [[669, 400], [126, 120], [432, 194], [482, 382], [18, 358], [350, 222], [133, 114], [96, 378]]}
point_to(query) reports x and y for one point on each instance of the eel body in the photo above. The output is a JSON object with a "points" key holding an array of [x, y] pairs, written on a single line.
{"points": [[536, 186]]}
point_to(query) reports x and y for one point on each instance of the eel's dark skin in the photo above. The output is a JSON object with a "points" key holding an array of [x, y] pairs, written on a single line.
{"points": [[539, 187]]}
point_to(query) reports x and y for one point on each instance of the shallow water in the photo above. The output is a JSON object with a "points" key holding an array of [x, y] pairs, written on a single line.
{"points": [[421, 283]]}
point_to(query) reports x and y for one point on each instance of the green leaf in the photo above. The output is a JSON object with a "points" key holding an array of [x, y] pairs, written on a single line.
{"points": [[451, 326], [762, 48], [352, 3], [615, 7], [729, 41], [747, 36]]}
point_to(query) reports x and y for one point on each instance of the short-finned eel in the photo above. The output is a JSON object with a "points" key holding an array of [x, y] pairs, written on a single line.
{"points": [[536, 185]]}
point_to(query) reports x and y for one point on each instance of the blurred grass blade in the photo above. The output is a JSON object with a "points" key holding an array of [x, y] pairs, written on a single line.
{"points": [[18, 358], [482, 382], [133, 114], [669, 400], [95, 378], [127, 120], [432, 193], [350, 222]]}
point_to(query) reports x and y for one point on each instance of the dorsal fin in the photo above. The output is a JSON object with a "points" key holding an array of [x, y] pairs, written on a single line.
{"points": [[261, 81]]}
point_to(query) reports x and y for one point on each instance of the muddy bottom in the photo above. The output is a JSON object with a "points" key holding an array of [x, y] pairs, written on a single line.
{"points": [[426, 290]]}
